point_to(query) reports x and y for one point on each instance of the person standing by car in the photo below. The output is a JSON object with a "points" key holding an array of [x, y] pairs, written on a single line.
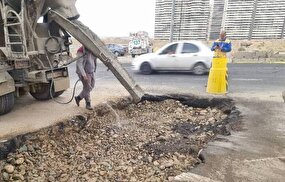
{"points": [[85, 68], [222, 46]]}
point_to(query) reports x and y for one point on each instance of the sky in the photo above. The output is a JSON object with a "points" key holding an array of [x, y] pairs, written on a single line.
{"points": [[117, 18]]}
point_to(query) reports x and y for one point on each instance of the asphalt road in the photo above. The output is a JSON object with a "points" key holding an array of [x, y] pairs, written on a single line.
{"points": [[243, 78]]}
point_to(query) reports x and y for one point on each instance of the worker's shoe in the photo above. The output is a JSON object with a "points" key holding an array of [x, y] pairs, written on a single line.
{"points": [[77, 100], [88, 106]]}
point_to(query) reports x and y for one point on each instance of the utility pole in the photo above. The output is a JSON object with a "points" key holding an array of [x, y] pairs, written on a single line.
{"points": [[181, 16], [252, 20], [283, 30], [172, 21]]}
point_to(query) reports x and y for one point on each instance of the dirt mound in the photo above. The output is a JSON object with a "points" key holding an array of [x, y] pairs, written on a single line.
{"points": [[119, 141]]}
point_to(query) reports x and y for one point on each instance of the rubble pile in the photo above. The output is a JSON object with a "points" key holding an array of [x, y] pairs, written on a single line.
{"points": [[149, 141]]}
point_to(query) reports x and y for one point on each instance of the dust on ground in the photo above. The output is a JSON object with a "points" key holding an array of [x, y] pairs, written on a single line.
{"points": [[150, 141]]}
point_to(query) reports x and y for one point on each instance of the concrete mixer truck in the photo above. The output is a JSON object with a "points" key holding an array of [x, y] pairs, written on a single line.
{"points": [[35, 36]]}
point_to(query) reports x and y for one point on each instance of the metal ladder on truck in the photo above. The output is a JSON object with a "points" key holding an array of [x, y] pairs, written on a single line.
{"points": [[14, 33], [91, 41]]}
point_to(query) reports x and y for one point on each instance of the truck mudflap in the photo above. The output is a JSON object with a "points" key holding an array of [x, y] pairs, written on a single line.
{"points": [[7, 84], [91, 41], [41, 82], [61, 84]]}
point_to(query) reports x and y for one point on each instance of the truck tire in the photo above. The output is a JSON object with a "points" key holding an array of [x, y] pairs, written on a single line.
{"points": [[42, 92], [7, 103]]}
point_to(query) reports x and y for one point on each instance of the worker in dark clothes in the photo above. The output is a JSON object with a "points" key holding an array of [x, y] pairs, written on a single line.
{"points": [[85, 68]]}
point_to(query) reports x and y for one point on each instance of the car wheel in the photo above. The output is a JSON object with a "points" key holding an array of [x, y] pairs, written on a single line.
{"points": [[146, 69], [199, 69], [117, 54], [133, 55]]}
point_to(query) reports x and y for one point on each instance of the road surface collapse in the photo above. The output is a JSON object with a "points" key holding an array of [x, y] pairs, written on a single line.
{"points": [[154, 140]]}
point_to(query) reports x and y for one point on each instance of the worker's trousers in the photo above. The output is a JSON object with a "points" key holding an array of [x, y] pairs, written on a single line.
{"points": [[88, 85]]}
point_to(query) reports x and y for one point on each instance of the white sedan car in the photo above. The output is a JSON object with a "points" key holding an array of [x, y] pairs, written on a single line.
{"points": [[191, 56]]}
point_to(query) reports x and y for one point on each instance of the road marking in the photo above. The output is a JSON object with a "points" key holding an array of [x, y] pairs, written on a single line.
{"points": [[246, 79]]}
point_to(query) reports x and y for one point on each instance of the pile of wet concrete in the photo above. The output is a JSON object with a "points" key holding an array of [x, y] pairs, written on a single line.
{"points": [[154, 140]]}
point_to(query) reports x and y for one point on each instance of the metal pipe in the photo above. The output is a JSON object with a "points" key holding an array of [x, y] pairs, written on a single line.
{"points": [[72, 60]]}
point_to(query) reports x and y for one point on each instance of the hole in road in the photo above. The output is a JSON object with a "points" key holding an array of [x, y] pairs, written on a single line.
{"points": [[155, 139]]}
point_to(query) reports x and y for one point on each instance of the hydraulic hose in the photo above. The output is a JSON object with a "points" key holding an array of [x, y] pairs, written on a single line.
{"points": [[52, 83]]}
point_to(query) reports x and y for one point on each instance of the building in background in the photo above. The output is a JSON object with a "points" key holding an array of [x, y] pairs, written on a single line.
{"points": [[269, 19], [216, 19], [162, 19], [242, 19], [254, 19], [237, 18], [191, 20], [250, 19]]}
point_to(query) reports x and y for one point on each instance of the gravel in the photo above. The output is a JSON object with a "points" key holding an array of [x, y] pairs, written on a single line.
{"points": [[118, 141]]}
